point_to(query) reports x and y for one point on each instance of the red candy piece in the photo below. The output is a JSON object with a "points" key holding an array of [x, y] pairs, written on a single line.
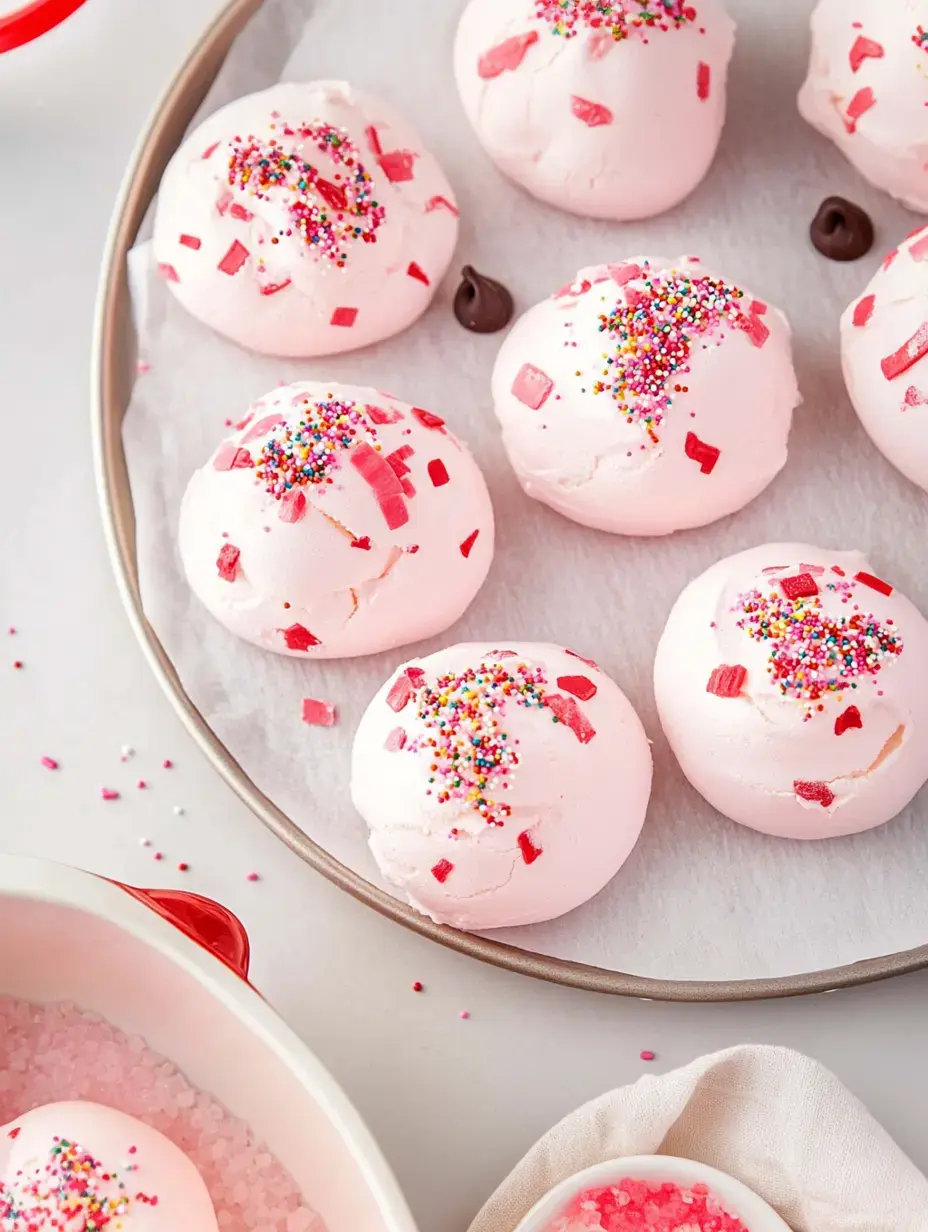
{"points": [[395, 741], [469, 543], [332, 194], [227, 562], [231, 458], [397, 459], [190, 241], [167, 272], [579, 686], [758, 308], [757, 330], [589, 662], [438, 473], [727, 681], [703, 81], [383, 415], [817, 793], [210, 150], [593, 115], [802, 586], [566, 710], [261, 427], [345, 317], [318, 713], [427, 419], [417, 272], [364, 543], [375, 470], [530, 852], [914, 397], [373, 140], [532, 387], [271, 288], [864, 49], [397, 166], [863, 310], [239, 212], [416, 675], [441, 870], [908, 354], [441, 203], [875, 583], [706, 455], [849, 718], [862, 101], [505, 57], [297, 637], [234, 259], [292, 506]]}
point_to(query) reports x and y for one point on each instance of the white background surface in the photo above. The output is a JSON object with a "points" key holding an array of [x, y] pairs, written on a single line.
{"points": [[454, 1103]]}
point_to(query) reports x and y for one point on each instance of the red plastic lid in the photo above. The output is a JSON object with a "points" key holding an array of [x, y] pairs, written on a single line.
{"points": [[25, 24]]}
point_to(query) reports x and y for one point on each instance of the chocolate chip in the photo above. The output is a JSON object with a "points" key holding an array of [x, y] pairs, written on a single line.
{"points": [[841, 230], [482, 304]]}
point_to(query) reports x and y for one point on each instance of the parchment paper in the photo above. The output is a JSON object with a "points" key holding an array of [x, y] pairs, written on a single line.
{"points": [[700, 897]]}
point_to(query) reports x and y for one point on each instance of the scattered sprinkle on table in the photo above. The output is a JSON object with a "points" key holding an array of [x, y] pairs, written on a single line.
{"points": [[108, 793], [17, 663], [417, 986], [252, 877], [49, 763], [167, 764], [647, 1055], [183, 866], [141, 783], [464, 1014]]}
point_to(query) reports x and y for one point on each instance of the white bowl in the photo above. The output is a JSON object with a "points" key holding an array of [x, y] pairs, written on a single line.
{"points": [[737, 1199], [172, 967]]}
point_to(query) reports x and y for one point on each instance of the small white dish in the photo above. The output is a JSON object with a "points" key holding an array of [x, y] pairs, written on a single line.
{"points": [[737, 1199]]}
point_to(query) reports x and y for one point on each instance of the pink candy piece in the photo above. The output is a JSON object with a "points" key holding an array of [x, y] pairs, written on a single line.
{"points": [[108, 793], [234, 259], [919, 250], [532, 386], [190, 241], [569, 713], [292, 506], [227, 562], [344, 317], [232, 457], [49, 763], [816, 793], [441, 203], [167, 272], [398, 166], [863, 311], [298, 637], [505, 57], [757, 330], [864, 49], [400, 692], [703, 80], [210, 150], [318, 713], [623, 274], [393, 508], [271, 288], [908, 354], [848, 719], [239, 212], [261, 427], [395, 741], [428, 420], [383, 414], [373, 140], [593, 115]]}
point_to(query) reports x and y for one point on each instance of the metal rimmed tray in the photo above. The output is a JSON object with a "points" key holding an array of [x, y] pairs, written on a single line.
{"points": [[112, 378]]}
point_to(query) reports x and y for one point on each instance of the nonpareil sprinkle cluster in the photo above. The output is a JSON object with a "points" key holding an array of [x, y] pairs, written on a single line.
{"points": [[620, 18], [920, 38], [652, 331], [471, 751], [328, 215], [811, 652], [306, 451], [70, 1192]]}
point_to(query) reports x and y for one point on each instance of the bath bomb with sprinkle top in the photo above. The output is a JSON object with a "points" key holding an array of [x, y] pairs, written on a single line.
{"points": [[336, 520], [646, 396], [792, 685], [867, 89], [75, 1166], [503, 783], [607, 108], [305, 220], [884, 353]]}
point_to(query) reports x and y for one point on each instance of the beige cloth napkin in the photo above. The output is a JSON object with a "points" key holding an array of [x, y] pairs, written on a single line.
{"points": [[773, 1118]]}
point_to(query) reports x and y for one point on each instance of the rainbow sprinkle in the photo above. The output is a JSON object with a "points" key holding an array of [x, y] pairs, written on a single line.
{"points": [[812, 653], [620, 18], [472, 754], [306, 452], [70, 1192], [653, 331], [920, 38], [328, 215]]}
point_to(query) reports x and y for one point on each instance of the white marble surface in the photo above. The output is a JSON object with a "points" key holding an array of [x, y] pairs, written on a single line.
{"points": [[454, 1103]]}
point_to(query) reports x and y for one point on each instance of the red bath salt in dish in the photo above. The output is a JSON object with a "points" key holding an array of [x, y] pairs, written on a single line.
{"points": [[647, 1206]]}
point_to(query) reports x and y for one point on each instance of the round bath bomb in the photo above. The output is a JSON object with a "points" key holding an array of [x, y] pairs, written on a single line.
{"points": [[646, 397], [884, 344], [76, 1166], [502, 784], [337, 521], [867, 89], [791, 685], [305, 220], [608, 108]]}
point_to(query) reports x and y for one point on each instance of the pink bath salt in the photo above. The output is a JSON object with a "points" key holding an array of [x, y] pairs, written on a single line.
{"points": [[57, 1053], [467, 545], [398, 166], [532, 387], [234, 259], [593, 115], [647, 1206], [505, 57], [318, 713], [703, 81], [578, 686]]}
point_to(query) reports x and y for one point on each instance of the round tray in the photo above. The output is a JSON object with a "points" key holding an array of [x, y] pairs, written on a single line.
{"points": [[113, 372]]}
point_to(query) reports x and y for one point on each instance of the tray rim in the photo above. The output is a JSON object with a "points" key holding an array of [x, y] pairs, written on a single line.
{"points": [[108, 405]]}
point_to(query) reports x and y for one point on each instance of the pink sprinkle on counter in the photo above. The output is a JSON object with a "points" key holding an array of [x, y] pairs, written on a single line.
{"points": [[252, 877], [141, 784], [49, 763], [646, 1206], [56, 1053], [108, 793], [417, 986], [647, 1055], [464, 1014], [167, 764]]}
